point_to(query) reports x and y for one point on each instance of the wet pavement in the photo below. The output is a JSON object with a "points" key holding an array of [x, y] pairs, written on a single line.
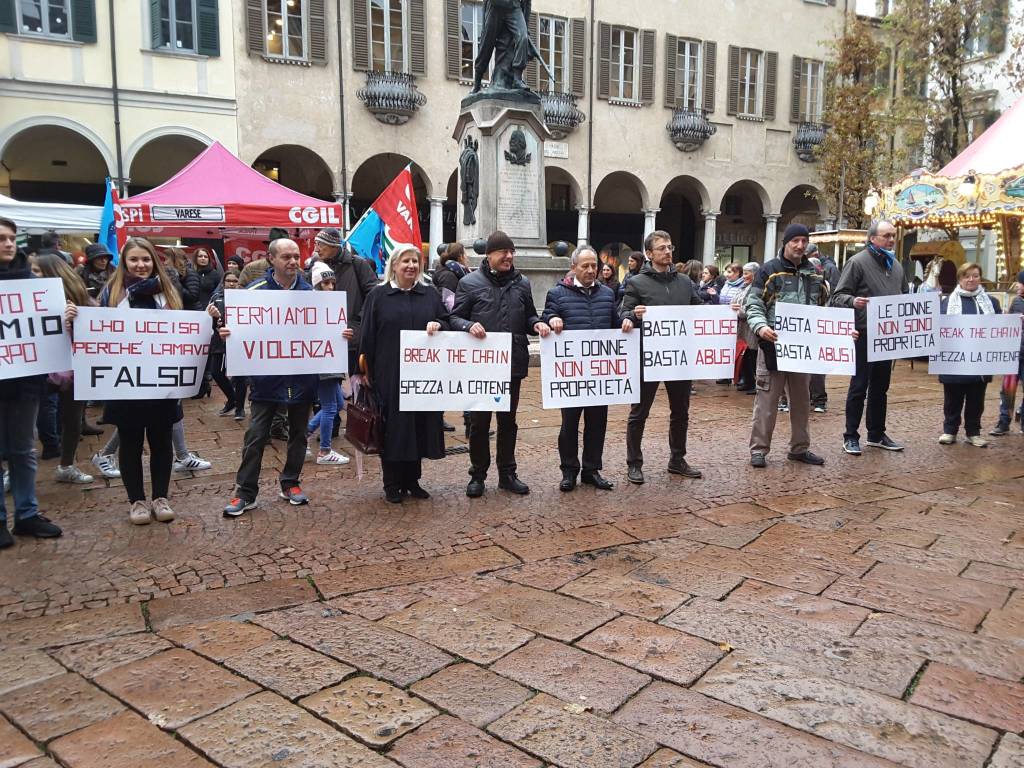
{"points": [[867, 613]]}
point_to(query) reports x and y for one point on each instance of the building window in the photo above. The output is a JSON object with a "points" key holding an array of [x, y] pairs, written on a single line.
{"points": [[554, 49], [387, 36], [751, 84], [287, 28], [44, 17], [471, 20], [812, 91], [623, 65], [177, 25], [689, 74]]}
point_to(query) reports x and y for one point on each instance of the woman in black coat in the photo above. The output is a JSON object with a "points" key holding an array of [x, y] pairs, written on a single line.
{"points": [[401, 303], [209, 274]]}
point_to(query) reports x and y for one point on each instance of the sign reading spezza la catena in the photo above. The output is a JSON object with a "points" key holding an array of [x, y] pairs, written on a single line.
{"points": [[815, 339], [453, 371], [902, 326], [689, 342], [131, 354], [977, 345], [32, 336], [583, 368]]}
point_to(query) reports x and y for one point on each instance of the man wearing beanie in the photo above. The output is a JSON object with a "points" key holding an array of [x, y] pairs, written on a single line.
{"points": [[352, 275], [1008, 392], [869, 273], [497, 298], [790, 278]]}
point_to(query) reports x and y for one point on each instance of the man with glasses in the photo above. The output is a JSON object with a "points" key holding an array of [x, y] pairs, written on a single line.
{"points": [[869, 273], [658, 284]]}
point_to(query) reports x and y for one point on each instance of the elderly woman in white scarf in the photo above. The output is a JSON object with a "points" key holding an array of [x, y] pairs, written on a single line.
{"points": [[964, 396]]}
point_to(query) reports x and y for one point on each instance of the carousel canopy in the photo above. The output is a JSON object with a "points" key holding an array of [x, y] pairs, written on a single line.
{"points": [[996, 150]]}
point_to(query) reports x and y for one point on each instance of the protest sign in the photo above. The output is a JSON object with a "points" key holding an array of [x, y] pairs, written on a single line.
{"points": [[902, 326], [453, 371], [134, 354], [582, 368], [689, 342], [815, 339], [282, 333], [977, 345], [32, 336]]}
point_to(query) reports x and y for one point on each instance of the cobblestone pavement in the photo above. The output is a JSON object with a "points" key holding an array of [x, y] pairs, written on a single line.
{"points": [[868, 613]]}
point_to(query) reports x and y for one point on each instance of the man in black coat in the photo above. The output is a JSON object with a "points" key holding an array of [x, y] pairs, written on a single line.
{"points": [[581, 303], [497, 298], [658, 284]]}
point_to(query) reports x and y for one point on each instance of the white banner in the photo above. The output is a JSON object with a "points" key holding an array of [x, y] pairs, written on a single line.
{"points": [[689, 342], [452, 371], [582, 368], [281, 333], [902, 326], [977, 345], [815, 339], [135, 354], [32, 336]]}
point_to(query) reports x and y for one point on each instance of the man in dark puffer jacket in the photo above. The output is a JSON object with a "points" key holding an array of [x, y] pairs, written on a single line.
{"points": [[581, 303]]}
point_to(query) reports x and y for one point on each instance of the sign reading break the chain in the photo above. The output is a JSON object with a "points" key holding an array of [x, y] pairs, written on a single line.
{"points": [[977, 345], [454, 371]]}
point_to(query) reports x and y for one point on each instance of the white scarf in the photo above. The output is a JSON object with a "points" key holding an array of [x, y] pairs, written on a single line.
{"points": [[981, 300]]}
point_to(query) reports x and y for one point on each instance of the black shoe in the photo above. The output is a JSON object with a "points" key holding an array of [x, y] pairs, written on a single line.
{"points": [[37, 526], [806, 458], [240, 414], [50, 453], [885, 442], [595, 479], [227, 410], [475, 489], [568, 483], [852, 447], [91, 429], [682, 468], [448, 427], [513, 484], [758, 460], [394, 495], [1000, 429], [635, 475], [417, 491], [6, 540]]}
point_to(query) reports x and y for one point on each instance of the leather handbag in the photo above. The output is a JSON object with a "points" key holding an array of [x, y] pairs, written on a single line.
{"points": [[363, 422]]}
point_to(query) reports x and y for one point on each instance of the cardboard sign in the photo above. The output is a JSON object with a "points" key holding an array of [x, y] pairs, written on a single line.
{"points": [[33, 340], [689, 342], [815, 339], [582, 368], [282, 333], [453, 371], [902, 326], [134, 354], [977, 345]]}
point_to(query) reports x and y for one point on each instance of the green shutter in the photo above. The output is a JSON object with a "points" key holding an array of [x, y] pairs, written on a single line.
{"points": [[156, 38], [83, 20], [207, 28], [8, 18], [317, 31]]}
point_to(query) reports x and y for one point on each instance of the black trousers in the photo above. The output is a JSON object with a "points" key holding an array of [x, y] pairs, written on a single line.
{"points": [[240, 384], [595, 424], [215, 366], [819, 396], [129, 455], [678, 424], [748, 369], [71, 412], [966, 398], [480, 442], [256, 438], [871, 381], [400, 475]]}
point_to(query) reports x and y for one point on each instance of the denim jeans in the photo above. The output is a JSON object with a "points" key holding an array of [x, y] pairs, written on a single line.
{"points": [[47, 421], [17, 447], [331, 402]]}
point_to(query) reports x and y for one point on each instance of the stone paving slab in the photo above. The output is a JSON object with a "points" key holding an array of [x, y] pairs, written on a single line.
{"points": [[551, 615], [370, 710], [968, 695], [125, 741], [447, 742], [57, 706], [476, 695]]}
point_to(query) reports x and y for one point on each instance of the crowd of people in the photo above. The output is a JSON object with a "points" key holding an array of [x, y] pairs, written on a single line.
{"points": [[494, 298]]}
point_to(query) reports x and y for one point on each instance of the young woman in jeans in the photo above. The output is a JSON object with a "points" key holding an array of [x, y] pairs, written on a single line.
{"points": [[329, 392]]}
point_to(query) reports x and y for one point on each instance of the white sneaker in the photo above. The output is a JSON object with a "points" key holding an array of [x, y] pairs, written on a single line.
{"points": [[334, 458], [947, 439], [73, 474], [140, 513], [191, 463], [309, 454], [107, 465], [978, 441], [162, 510]]}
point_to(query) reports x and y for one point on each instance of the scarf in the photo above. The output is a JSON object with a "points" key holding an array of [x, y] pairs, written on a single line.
{"points": [[888, 257], [455, 267], [137, 286], [981, 300]]}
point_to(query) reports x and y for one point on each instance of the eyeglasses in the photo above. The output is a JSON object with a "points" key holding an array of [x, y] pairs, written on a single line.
{"points": [[668, 248]]}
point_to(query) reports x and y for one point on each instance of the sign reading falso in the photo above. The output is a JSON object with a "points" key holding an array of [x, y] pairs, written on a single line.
{"points": [[689, 342], [131, 354], [815, 339], [280, 333], [453, 371], [902, 326], [584, 368], [32, 336], [977, 345]]}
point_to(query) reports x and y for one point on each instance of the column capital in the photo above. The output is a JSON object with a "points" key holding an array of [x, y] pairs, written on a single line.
{"points": [[772, 216], [710, 215], [584, 208], [342, 197], [651, 211], [437, 200]]}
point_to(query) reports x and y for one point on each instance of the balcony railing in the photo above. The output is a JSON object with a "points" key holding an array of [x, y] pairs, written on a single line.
{"points": [[392, 97], [808, 137], [689, 129], [561, 115]]}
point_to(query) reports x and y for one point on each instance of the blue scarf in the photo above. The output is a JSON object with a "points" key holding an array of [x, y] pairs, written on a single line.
{"points": [[889, 257], [458, 269]]}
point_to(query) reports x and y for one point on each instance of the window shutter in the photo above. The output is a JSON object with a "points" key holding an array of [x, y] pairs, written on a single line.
{"points": [[532, 73], [648, 42], [671, 65], [733, 101], [578, 51], [453, 40], [997, 29], [8, 18], [417, 39], [83, 20], [255, 34], [825, 74], [207, 28], [317, 31], [794, 106], [360, 35], [710, 57], [771, 78], [156, 38], [604, 72]]}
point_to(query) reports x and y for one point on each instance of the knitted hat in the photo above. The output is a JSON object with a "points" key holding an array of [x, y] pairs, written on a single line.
{"points": [[276, 233], [329, 236], [321, 272], [794, 230], [499, 241], [238, 260], [96, 251]]}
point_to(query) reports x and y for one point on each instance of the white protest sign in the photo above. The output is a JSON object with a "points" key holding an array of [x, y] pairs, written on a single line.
{"points": [[136, 354], [977, 345], [452, 371], [282, 333], [689, 342], [902, 326], [582, 368], [815, 339], [32, 336]]}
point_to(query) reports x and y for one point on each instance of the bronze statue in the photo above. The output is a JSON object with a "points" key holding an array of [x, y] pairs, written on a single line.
{"points": [[516, 153], [469, 172], [506, 37]]}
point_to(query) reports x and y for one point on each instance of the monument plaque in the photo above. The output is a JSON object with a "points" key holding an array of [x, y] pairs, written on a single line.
{"points": [[518, 210]]}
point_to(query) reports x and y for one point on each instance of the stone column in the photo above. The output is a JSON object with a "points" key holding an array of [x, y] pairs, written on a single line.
{"points": [[436, 224], [345, 200], [649, 226], [583, 224], [710, 226], [771, 234]]}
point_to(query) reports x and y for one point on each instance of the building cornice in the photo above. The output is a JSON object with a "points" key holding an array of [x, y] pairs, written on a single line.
{"points": [[96, 94]]}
